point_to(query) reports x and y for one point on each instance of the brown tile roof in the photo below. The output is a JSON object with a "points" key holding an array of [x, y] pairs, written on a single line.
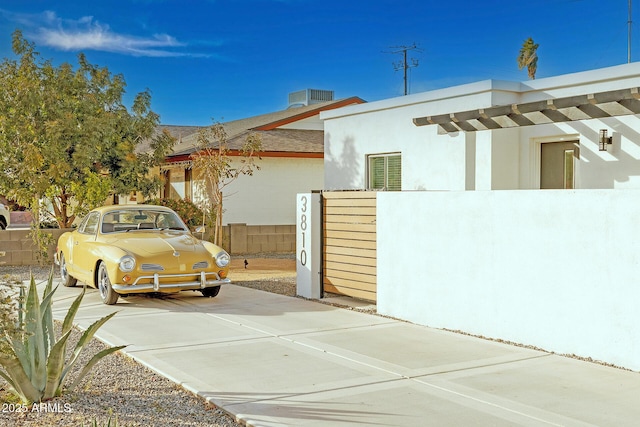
{"points": [[273, 139], [179, 132], [286, 140]]}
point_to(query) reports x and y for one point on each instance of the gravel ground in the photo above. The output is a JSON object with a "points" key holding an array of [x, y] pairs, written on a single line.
{"points": [[118, 388]]}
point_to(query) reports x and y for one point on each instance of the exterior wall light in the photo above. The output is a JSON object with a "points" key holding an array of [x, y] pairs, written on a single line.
{"points": [[604, 140]]}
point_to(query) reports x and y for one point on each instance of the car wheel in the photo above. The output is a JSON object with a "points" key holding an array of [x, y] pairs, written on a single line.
{"points": [[210, 292], [3, 224], [67, 280], [108, 295]]}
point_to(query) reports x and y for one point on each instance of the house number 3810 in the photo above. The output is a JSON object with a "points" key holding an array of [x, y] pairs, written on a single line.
{"points": [[303, 227]]}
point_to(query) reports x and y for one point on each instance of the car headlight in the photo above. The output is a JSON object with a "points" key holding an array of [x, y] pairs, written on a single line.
{"points": [[127, 263], [222, 259]]}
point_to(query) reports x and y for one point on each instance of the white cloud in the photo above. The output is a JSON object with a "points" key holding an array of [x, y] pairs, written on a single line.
{"points": [[87, 33]]}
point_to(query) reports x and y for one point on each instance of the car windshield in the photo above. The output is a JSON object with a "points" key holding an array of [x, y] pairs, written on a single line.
{"points": [[141, 219]]}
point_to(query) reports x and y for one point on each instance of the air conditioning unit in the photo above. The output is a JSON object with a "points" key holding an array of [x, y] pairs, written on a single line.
{"points": [[308, 97]]}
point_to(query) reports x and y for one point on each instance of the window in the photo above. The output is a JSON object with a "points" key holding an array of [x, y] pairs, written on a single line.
{"points": [[140, 219], [90, 224], [385, 172]]}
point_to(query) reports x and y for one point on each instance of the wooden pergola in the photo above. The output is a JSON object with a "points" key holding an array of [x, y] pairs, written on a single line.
{"points": [[555, 110]]}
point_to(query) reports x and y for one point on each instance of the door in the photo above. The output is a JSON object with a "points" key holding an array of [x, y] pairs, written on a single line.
{"points": [[80, 262], [349, 243], [557, 164]]}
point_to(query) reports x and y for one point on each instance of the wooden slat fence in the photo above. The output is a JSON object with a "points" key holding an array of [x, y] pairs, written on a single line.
{"points": [[349, 231]]}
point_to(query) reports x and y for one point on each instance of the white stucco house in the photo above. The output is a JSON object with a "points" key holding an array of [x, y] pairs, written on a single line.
{"points": [[262, 205], [519, 211]]}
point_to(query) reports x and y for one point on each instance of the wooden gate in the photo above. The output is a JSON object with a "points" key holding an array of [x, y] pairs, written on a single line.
{"points": [[349, 243]]}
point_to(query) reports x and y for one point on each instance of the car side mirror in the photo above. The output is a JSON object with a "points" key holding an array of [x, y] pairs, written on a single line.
{"points": [[200, 229]]}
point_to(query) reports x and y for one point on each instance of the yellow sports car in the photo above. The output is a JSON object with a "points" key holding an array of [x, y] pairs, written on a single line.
{"points": [[123, 250]]}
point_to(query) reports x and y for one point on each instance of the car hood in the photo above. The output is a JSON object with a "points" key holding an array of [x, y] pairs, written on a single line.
{"points": [[155, 243]]}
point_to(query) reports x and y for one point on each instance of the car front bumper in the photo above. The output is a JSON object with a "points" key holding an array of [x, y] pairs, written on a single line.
{"points": [[166, 283]]}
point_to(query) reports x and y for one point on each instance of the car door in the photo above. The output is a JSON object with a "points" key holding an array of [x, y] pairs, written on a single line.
{"points": [[80, 257]]}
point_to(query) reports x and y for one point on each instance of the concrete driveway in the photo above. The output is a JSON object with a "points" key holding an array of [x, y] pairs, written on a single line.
{"points": [[273, 360]]}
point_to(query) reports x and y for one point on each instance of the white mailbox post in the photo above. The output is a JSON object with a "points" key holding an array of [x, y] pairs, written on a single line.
{"points": [[308, 245]]}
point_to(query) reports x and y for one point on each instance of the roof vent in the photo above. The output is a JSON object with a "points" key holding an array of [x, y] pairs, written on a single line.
{"points": [[308, 97]]}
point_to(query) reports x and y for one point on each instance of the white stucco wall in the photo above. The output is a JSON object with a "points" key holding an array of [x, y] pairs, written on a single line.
{"points": [[504, 159], [429, 161], [616, 168], [553, 269], [269, 196]]}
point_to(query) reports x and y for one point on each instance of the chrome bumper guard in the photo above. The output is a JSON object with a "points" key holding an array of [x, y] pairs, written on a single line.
{"points": [[156, 286]]}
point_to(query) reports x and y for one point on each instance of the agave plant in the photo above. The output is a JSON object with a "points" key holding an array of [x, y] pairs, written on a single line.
{"points": [[34, 365]]}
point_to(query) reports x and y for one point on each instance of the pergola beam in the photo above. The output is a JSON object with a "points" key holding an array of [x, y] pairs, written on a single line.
{"points": [[553, 110]]}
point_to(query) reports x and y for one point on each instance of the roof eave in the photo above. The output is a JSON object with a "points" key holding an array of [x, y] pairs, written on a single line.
{"points": [[310, 113]]}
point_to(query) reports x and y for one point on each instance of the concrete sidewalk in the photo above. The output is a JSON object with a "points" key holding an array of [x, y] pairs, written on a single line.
{"points": [[273, 360]]}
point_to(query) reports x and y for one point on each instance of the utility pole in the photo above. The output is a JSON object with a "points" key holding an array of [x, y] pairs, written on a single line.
{"points": [[629, 35], [404, 64]]}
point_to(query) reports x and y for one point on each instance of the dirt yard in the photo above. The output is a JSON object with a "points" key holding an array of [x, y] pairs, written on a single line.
{"points": [[261, 267]]}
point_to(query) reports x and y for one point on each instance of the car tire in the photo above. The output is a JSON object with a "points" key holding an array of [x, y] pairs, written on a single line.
{"points": [[3, 223], [210, 292], [107, 294], [67, 280]]}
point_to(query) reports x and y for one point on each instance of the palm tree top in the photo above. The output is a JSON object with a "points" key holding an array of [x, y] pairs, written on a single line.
{"points": [[528, 57]]}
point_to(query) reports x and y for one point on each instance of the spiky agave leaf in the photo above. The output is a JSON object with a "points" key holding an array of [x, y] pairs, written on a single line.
{"points": [[35, 353], [67, 324], [17, 340], [20, 311], [44, 337], [47, 314], [35, 368], [95, 359], [82, 342], [20, 352], [27, 355], [18, 379], [55, 365], [31, 347]]}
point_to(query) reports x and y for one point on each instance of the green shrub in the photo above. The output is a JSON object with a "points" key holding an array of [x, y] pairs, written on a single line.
{"points": [[185, 208], [34, 363]]}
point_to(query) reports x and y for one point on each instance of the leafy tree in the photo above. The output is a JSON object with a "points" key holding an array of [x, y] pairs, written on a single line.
{"points": [[214, 169], [67, 138], [188, 211], [528, 57]]}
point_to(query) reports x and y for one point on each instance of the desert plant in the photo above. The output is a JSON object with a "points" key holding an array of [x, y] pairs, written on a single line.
{"points": [[34, 365], [41, 241], [8, 311], [215, 168]]}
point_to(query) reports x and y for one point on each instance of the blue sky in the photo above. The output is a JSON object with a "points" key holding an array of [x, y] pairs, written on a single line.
{"points": [[230, 59]]}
